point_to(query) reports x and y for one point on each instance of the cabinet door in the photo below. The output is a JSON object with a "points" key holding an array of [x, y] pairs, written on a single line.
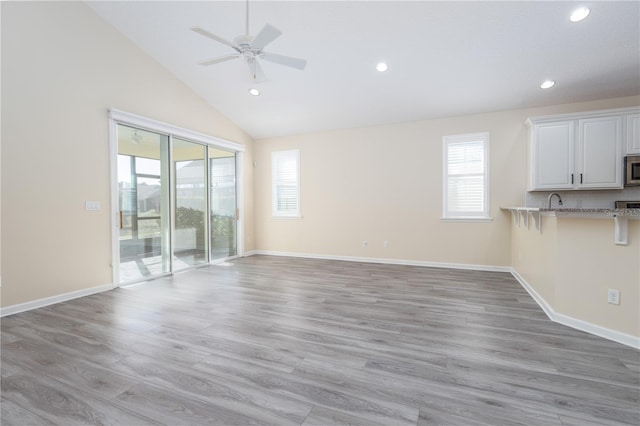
{"points": [[553, 155], [633, 134], [600, 152]]}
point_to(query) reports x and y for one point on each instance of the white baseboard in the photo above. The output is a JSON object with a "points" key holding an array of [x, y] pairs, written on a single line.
{"points": [[383, 260], [607, 333], [40, 303]]}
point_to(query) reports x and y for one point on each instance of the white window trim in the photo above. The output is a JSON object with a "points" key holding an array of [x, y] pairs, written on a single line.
{"points": [[274, 201], [479, 217]]}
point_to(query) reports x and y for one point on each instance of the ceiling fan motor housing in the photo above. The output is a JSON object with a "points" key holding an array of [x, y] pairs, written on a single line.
{"points": [[243, 40]]}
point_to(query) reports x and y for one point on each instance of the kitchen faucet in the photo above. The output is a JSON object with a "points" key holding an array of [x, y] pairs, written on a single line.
{"points": [[551, 196]]}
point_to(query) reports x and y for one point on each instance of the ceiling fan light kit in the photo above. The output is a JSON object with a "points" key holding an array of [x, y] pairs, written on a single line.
{"points": [[251, 49]]}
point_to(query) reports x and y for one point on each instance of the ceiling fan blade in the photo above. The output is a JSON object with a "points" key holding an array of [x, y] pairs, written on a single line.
{"points": [[284, 60], [218, 59], [256, 71], [214, 37], [265, 36]]}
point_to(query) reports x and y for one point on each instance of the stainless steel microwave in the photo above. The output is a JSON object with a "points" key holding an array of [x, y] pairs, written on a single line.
{"points": [[632, 170]]}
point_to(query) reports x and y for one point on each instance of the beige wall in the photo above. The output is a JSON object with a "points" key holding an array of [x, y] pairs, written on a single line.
{"points": [[589, 263], [384, 183], [534, 255], [572, 264], [62, 69]]}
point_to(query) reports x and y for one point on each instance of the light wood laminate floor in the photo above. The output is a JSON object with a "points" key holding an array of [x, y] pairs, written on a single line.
{"points": [[284, 341]]}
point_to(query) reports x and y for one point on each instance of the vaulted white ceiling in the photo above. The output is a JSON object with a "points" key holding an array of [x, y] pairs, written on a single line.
{"points": [[445, 58]]}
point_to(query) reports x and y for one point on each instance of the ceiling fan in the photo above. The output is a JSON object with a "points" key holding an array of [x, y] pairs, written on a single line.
{"points": [[251, 49]]}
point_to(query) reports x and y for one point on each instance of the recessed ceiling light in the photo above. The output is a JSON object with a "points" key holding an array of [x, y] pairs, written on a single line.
{"points": [[547, 84], [382, 66], [579, 14], [254, 92]]}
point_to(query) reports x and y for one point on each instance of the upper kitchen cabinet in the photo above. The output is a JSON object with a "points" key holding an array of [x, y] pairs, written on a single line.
{"points": [[553, 155], [580, 151], [599, 153], [633, 134]]}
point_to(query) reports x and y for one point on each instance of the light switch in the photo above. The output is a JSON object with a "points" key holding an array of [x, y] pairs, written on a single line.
{"points": [[92, 205]]}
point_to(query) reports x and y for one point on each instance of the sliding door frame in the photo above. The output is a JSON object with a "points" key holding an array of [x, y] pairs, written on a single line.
{"points": [[117, 117]]}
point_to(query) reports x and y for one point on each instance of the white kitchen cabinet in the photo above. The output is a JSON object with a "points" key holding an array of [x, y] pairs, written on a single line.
{"points": [[553, 155], [579, 151], [599, 153], [633, 134]]}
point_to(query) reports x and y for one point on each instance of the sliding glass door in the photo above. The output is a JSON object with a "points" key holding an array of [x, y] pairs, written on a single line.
{"points": [[176, 203]]}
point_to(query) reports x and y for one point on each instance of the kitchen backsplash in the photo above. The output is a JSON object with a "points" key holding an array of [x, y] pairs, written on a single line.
{"points": [[584, 199]]}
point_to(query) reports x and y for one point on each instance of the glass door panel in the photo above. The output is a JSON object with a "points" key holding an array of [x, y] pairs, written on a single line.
{"points": [[222, 178], [126, 196], [190, 227], [143, 199]]}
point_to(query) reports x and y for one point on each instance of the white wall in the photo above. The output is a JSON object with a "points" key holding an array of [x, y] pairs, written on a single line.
{"points": [[62, 69]]}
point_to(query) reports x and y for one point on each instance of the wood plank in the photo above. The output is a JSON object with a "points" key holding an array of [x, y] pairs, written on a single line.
{"points": [[61, 404], [284, 341]]}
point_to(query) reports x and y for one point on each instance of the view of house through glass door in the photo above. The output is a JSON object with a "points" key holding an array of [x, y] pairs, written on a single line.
{"points": [[177, 203]]}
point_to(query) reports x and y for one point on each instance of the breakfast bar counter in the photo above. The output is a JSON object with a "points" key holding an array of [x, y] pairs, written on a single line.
{"points": [[521, 215]]}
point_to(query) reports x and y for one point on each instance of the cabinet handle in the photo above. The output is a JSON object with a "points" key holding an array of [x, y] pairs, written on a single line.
{"points": [[571, 178], [580, 177]]}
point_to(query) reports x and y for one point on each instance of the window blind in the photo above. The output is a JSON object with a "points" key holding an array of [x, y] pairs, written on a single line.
{"points": [[286, 184], [466, 176]]}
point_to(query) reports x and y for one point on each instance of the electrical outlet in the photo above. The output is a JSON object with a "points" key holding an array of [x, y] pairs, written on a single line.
{"points": [[386, 244], [365, 243], [613, 297]]}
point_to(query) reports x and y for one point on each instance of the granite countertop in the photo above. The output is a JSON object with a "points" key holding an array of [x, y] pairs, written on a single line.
{"points": [[578, 211]]}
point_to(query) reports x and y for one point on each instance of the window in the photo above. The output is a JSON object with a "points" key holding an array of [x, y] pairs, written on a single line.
{"points": [[285, 169], [466, 176]]}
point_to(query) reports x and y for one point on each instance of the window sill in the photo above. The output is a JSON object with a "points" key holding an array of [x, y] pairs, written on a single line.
{"points": [[466, 219]]}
